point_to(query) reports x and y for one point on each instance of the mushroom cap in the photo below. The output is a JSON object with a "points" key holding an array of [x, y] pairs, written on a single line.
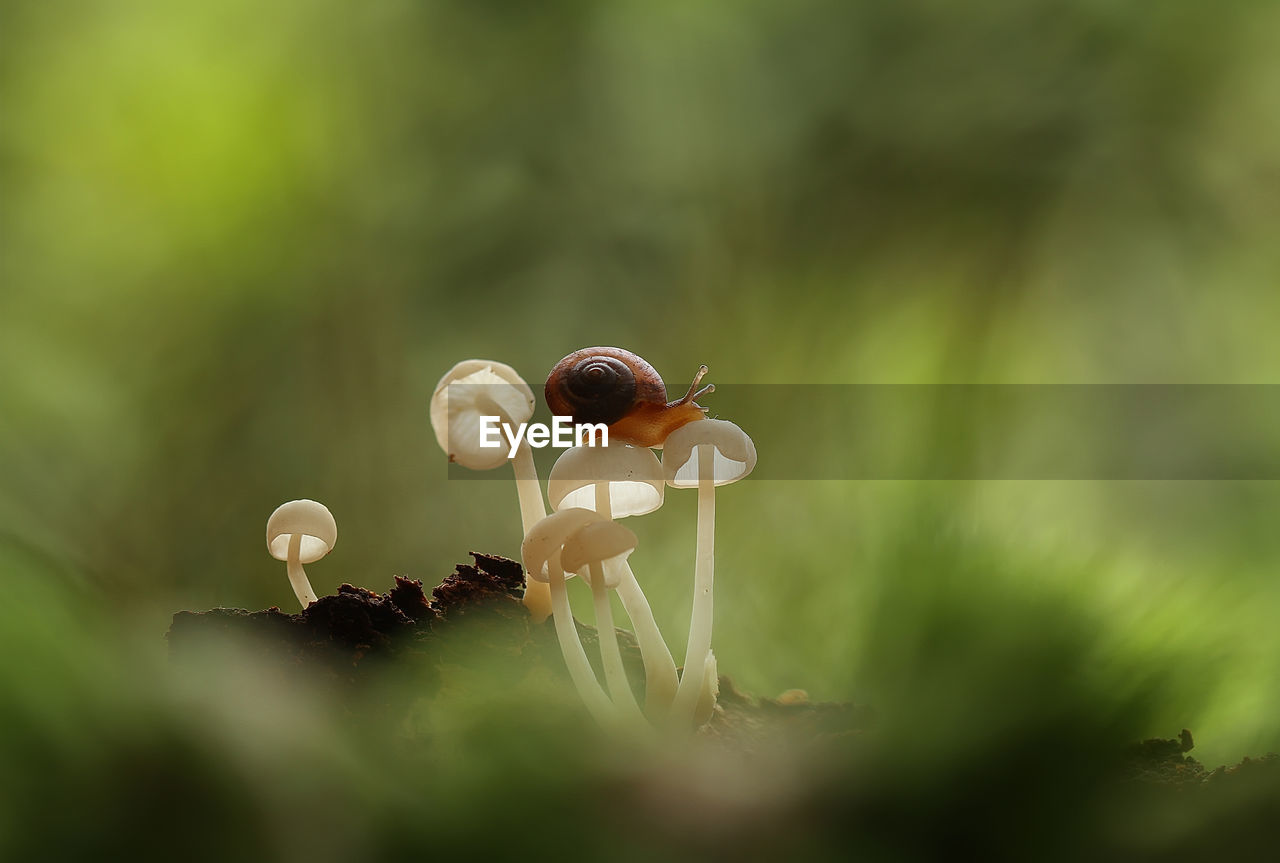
{"points": [[598, 542], [634, 475], [469, 390], [545, 539], [734, 456], [307, 517]]}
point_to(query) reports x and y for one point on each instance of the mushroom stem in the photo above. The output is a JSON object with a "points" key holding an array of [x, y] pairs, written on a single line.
{"points": [[695, 658], [609, 653], [575, 657], [710, 692], [532, 509], [610, 656], [660, 676], [604, 505], [537, 595], [298, 578]]}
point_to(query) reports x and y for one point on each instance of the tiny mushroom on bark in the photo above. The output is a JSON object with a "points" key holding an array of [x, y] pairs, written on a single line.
{"points": [[618, 481], [478, 388], [298, 532], [585, 552], [703, 455]]}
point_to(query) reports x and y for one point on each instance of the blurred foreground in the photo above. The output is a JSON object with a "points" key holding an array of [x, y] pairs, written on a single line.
{"points": [[465, 745]]}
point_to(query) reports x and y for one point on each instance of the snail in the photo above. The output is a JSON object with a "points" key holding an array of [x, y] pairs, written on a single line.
{"points": [[615, 387]]}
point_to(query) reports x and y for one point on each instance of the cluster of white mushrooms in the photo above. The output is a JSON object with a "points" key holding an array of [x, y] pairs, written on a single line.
{"points": [[589, 488]]}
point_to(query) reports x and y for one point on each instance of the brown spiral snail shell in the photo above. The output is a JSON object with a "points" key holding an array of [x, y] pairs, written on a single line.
{"points": [[615, 387]]}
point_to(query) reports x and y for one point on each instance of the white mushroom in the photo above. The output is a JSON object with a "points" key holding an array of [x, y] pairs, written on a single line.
{"points": [[298, 532], [619, 481], [477, 388], [541, 555], [703, 454], [585, 552], [630, 477]]}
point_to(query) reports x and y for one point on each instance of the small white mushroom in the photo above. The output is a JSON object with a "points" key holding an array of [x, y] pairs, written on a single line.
{"points": [[618, 481], [630, 477], [540, 552], [473, 389], [585, 552], [702, 455], [298, 532]]}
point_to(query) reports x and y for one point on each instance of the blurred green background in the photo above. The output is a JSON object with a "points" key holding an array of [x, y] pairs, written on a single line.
{"points": [[240, 242]]}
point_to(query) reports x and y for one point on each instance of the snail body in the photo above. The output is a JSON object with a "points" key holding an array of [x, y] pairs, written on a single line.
{"points": [[618, 388]]}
